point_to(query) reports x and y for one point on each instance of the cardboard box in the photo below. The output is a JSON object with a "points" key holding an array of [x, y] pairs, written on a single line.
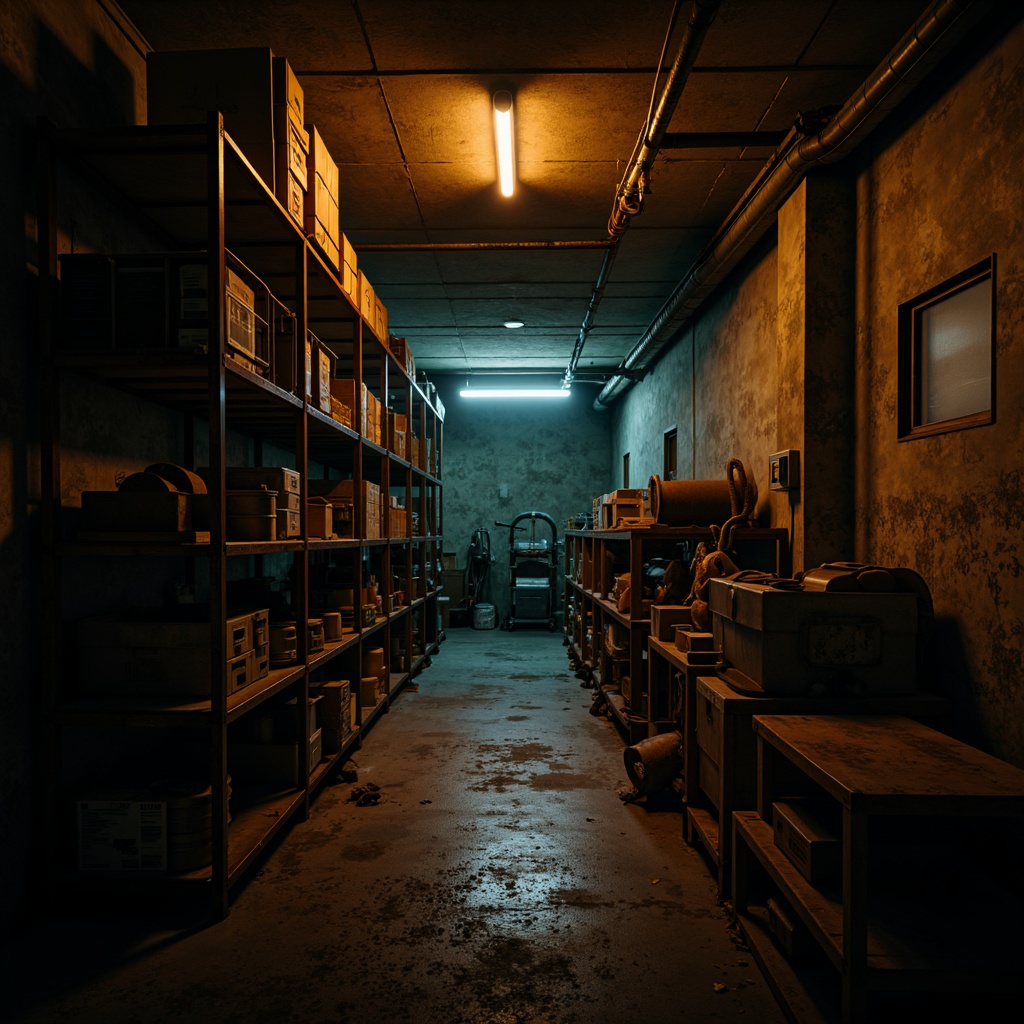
{"points": [[121, 830], [335, 715], [380, 318], [340, 492], [251, 478], [665, 618], [454, 581], [136, 512], [319, 518], [367, 299], [183, 85], [806, 835], [403, 353], [272, 763], [160, 653], [288, 94], [349, 269], [790, 641]]}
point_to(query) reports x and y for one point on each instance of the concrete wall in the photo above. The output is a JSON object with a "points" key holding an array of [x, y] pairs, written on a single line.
{"points": [[942, 192], [549, 457], [66, 60], [798, 349]]}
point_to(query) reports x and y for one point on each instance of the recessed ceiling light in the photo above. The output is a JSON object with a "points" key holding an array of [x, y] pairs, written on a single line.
{"points": [[514, 323]]}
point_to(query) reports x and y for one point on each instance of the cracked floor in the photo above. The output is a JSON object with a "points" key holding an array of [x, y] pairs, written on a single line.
{"points": [[501, 879]]}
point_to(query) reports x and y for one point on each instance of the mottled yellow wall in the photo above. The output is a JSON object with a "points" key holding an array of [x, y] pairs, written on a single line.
{"points": [[797, 349], [942, 192]]}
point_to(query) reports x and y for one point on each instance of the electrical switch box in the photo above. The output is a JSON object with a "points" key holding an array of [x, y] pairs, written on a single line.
{"points": [[784, 470]]}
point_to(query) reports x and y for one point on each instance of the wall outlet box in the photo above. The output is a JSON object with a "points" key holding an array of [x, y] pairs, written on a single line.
{"points": [[784, 470]]}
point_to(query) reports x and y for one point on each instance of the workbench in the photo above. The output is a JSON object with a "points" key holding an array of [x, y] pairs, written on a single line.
{"points": [[913, 909]]}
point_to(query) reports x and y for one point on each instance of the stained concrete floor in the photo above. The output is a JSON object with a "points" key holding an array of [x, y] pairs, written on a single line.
{"points": [[500, 880]]}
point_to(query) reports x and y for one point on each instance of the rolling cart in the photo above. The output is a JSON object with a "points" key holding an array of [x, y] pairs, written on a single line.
{"points": [[533, 570]]}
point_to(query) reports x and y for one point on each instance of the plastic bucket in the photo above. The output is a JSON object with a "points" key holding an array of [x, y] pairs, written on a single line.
{"points": [[484, 616]]}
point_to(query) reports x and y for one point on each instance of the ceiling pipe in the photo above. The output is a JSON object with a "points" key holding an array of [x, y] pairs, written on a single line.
{"points": [[928, 41], [600, 243], [629, 198], [719, 140], [629, 195]]}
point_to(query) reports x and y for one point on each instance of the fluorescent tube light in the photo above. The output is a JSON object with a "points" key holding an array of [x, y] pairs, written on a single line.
{"points": [[515, 393], [503, 137]]}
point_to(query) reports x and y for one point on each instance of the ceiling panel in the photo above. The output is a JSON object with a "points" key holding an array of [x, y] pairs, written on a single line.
{"points": [[401, 93]]}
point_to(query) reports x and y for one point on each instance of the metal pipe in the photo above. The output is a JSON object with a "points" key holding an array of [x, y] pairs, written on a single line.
{"points": [[928, 41], [588, 320], [701, 16], [719, 140], [600, 243], [630, 193]]}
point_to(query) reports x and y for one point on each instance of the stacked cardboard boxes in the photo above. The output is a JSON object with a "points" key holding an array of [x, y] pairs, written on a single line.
{"points": [[335, 714], [247, 85], [398, 519], [340, 494], [371, 415], [400, 348], [348, 271], [291, 141], [166, 652], [321, 209], [320, 363]]}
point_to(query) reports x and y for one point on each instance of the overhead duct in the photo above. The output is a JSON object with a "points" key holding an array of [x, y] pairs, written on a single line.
{"points": [[929, 40], [629, 195]]}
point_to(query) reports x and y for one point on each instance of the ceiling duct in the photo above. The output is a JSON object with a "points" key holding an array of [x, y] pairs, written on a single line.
{"points": [[928, 41], [629, 195]]}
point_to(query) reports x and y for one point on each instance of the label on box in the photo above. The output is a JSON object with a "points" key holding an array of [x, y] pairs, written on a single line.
{"points": [[122, 835]]}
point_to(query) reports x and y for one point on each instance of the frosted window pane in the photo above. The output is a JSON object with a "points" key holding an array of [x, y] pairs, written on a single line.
{"points": [[956, 355]]}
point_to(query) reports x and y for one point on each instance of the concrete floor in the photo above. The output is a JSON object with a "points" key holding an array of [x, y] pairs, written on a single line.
{"points": [[500, 880]]}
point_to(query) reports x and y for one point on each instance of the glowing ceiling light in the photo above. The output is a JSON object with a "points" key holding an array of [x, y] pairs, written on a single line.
{"points": [[514, 392], [504, 137]]}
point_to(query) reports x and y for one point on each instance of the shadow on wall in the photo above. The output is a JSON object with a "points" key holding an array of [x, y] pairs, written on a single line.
{"points": [[54, 83], [947, 672]]}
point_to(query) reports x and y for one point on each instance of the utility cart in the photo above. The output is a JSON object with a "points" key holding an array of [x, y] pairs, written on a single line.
{"points": [[533, 568]]}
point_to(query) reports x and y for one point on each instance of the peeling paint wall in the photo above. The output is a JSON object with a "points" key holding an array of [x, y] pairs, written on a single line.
{"points": [[550, 457], [938, 188]]}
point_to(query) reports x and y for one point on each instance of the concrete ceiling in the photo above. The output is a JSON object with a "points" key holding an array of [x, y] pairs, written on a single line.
{"points": [[401, 92]]}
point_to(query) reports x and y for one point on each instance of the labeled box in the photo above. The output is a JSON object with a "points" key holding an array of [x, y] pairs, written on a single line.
{"points": [[787, 641], [121, 830]]}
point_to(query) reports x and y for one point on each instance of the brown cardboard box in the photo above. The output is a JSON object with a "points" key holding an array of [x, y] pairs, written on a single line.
{"points": [[366, 299], [182, 85], [349, 269], [455, 585], [288, 92]]}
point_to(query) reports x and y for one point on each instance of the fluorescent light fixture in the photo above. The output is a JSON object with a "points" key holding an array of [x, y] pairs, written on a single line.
{"points": [[513, 323], [515, 393], [503, 136]]}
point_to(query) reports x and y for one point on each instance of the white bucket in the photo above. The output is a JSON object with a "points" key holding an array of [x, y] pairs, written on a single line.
{"points": [[484, 616]]}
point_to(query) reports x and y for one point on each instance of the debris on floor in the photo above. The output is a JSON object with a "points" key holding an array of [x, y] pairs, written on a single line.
{"points": [[368, 795]]}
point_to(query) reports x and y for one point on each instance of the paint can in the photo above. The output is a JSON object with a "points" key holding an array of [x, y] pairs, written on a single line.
{"points": [[484, 616]]}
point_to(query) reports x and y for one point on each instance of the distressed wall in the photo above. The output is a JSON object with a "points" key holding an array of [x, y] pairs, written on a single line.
{"points": [[66, 60], [944, 189], [937, 188], [551, 457], [716, 385]]}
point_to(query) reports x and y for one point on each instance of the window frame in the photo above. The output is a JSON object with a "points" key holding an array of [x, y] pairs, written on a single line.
{"points": [[910, 348]]}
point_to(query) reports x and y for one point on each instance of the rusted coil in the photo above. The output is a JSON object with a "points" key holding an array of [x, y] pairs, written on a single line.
{"points": [[689, 502]]}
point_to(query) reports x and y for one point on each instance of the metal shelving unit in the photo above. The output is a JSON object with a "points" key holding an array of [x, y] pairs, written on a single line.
{"points": [[190, 188]]}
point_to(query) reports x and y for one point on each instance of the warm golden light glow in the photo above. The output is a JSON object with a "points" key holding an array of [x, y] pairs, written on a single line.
{"points": [[504, 139]]}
